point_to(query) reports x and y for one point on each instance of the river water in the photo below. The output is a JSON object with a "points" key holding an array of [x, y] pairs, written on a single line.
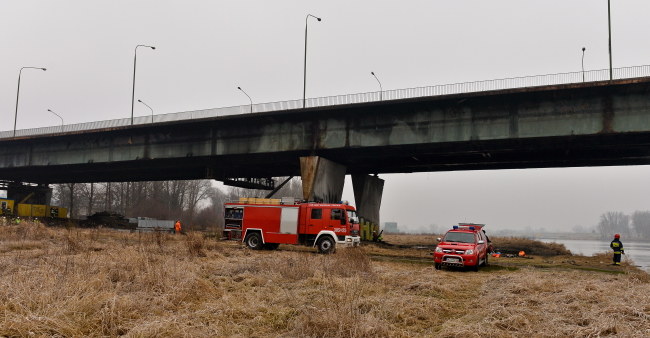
{"points": [[638, 252]]}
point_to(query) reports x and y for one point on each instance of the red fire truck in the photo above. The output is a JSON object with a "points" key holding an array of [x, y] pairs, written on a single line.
{"points": [[267, 223]]}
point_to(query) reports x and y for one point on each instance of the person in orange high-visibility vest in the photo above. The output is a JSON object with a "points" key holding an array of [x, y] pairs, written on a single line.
{"points": [[177, 227]]}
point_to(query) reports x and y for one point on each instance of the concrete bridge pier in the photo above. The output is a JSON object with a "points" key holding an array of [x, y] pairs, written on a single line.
{"points": [[368, 191], [322, 179]]}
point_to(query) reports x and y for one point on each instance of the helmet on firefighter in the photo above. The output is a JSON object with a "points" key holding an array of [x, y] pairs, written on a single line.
{"points": [[617, 236]]}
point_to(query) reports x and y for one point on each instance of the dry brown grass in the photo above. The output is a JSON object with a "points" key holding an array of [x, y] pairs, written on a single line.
{"points": [[411, 239], [58, 282]]}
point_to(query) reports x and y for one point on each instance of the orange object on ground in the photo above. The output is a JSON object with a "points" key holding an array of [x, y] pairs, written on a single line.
{"points": [[522, 253], [497, 255]]}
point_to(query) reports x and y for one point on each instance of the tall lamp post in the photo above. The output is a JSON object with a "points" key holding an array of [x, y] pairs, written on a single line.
{"points": [[304, 87], [381, 89], [583, 64], [609, 26], [50, 110], [135, 58], [18, 93], [249, 98], [147, 107]]}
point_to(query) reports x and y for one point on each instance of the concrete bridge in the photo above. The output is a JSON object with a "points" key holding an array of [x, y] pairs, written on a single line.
{"points": [[584, 124]]}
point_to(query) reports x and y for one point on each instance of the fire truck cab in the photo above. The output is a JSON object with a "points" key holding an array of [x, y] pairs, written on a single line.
{"points": [[267, 223]]}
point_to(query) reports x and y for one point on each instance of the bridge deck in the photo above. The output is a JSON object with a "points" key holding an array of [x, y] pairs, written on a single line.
{"points": [[584, 124]]}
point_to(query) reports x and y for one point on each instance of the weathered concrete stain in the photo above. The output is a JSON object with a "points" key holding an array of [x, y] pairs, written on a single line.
{"points": [[308, 165], [513, 125], [322, 179], [608, 114]]}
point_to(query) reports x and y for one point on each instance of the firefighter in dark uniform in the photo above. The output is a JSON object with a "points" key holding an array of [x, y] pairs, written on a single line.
{"points": [[617, 246]]}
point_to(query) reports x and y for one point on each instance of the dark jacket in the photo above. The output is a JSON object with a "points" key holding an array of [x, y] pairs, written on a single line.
{"points": [[617, 246]]}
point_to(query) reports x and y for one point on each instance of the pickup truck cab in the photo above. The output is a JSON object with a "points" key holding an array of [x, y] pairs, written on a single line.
{"points": [[465, 245]]}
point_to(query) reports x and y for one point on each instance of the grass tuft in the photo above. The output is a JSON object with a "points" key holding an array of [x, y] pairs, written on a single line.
{"points": [[195, 244]]}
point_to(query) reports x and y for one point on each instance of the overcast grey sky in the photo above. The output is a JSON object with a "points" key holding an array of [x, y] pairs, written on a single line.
{"points": [[205, 49]]}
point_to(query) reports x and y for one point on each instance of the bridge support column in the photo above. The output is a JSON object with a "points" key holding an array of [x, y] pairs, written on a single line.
{"points": [[322, 179], [367, 197]]}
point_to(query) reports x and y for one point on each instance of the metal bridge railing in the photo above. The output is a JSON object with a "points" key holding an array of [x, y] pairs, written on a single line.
{"points": [[396, 94]]}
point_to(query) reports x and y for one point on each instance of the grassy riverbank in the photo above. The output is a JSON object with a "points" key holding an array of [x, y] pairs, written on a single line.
{"points": [[106, 283]]}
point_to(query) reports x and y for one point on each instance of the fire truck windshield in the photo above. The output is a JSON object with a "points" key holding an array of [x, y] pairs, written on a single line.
{"points": [[352, 216], [459, 237]]}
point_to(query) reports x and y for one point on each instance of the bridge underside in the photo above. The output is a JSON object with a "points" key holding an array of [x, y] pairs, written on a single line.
{"points": [[569, 151]]}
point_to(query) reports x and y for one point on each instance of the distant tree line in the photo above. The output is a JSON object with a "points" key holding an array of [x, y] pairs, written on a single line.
{"points": [[636, 225], [198, 203]]}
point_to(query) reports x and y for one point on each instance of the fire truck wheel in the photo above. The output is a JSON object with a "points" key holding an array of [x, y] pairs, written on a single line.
{"points": [[325, 245], [254, 241]]}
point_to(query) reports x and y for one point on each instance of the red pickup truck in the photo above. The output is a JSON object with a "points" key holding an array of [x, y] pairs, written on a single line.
{"points": [[465, 245]]}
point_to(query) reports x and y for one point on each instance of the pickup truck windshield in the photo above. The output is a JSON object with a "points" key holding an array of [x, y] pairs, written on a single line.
{"points": [[459, 237]]}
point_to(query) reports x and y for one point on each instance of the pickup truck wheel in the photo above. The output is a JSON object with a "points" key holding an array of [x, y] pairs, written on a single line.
{"points": [[485, 263], [474, 268], [325, 245], [438, 266], [254, 241]]}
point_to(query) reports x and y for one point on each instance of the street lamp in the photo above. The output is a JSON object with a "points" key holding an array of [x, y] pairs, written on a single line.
{"points": [[583, 64], [380, 88], [135, 56], [147, 107], [249, 98], [304, 87], [609, 26], [50, 110], [18, 94]]}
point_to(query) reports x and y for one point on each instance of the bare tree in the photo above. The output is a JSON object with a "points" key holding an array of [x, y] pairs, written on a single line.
{"points": [[196, 192], [641, 223], [91, 199], [212, 214], [292, 189], [197, 202], [613, 222]]}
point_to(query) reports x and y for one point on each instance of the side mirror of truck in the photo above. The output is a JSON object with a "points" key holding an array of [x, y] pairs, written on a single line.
{"points": [[439, 239]]}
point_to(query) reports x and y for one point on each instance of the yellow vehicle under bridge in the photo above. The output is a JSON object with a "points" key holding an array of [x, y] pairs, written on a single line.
{"points": [[9, 207]]}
